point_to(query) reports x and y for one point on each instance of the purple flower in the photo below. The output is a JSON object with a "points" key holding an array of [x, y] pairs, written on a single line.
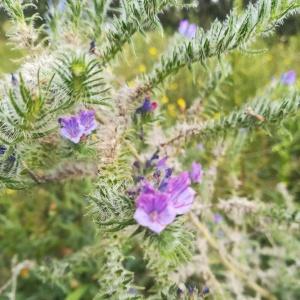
{"points": [[205, 290], [168, 172], [87, 121], [162, 166], [154, 210], [196, 172], [289, 77], [181, 194], [218, 218], [187, 29], [183, 26], [163, 198], [70, 128], [75, 127], [147, 106], [191, 31], [162, 163]]}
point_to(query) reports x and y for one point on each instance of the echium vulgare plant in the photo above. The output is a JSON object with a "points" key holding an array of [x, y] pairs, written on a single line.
{"points": [[66, 115]]}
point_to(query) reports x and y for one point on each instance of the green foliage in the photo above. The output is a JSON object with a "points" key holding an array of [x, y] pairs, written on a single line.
{"points": [[117, 283], [9, 170], [136, 16], [111, 208], [80, 80], [23, 33], [235, 33], [25, 114], [50, 248], [257, 113], [15, 9], [170, 249]]}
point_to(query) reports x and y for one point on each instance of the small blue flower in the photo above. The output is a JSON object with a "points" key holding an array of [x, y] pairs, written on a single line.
{"points": [[218, 218], [70, 128], [187, 29], [147, 106], [191, 290], [288, 78], [75, 127], [205, 290], [168, 172], [2, 149]]}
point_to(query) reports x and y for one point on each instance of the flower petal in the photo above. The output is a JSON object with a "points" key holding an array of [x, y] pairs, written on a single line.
{"points": [[191, 31], [167, 216], [184, 201], [87, 121], [183, 26], [70, 128], [196, 172], [178, 184]]}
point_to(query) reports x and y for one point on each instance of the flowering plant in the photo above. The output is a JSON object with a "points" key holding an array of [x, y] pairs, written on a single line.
{"points": [[158, 232], [159, 202], [76, 127]]}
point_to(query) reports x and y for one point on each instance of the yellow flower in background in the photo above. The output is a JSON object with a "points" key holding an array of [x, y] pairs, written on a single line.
{"points": [[164, 99], [10, 192], [172, 110], [173, 86], [153, 51], [142, 68], [181, 104], [24, 273], [217, 115]]}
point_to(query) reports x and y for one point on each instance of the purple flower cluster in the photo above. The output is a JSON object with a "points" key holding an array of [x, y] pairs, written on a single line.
{"points": [[75, 127], [187, 29], [288, 78], [147, 106], [166, 196]]}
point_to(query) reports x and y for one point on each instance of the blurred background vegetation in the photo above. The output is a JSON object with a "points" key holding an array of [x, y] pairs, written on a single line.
{"points": [[49, 221]]}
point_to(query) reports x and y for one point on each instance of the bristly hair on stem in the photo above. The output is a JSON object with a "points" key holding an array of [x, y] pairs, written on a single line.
{"points": [[136, 16], [258, 113], [236, 32]]}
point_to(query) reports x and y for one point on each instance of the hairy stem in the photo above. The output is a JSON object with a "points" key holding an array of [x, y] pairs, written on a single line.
{"points": [[227, 261]]}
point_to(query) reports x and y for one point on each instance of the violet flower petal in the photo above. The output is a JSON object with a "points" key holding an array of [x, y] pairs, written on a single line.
{"points": [[154, 211], [183, 26], [196, 172], [289, 77], [162, 163], [70, 128], [181, 195], [87, 121], [191, 31], [184, 201], [178, 184]]}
